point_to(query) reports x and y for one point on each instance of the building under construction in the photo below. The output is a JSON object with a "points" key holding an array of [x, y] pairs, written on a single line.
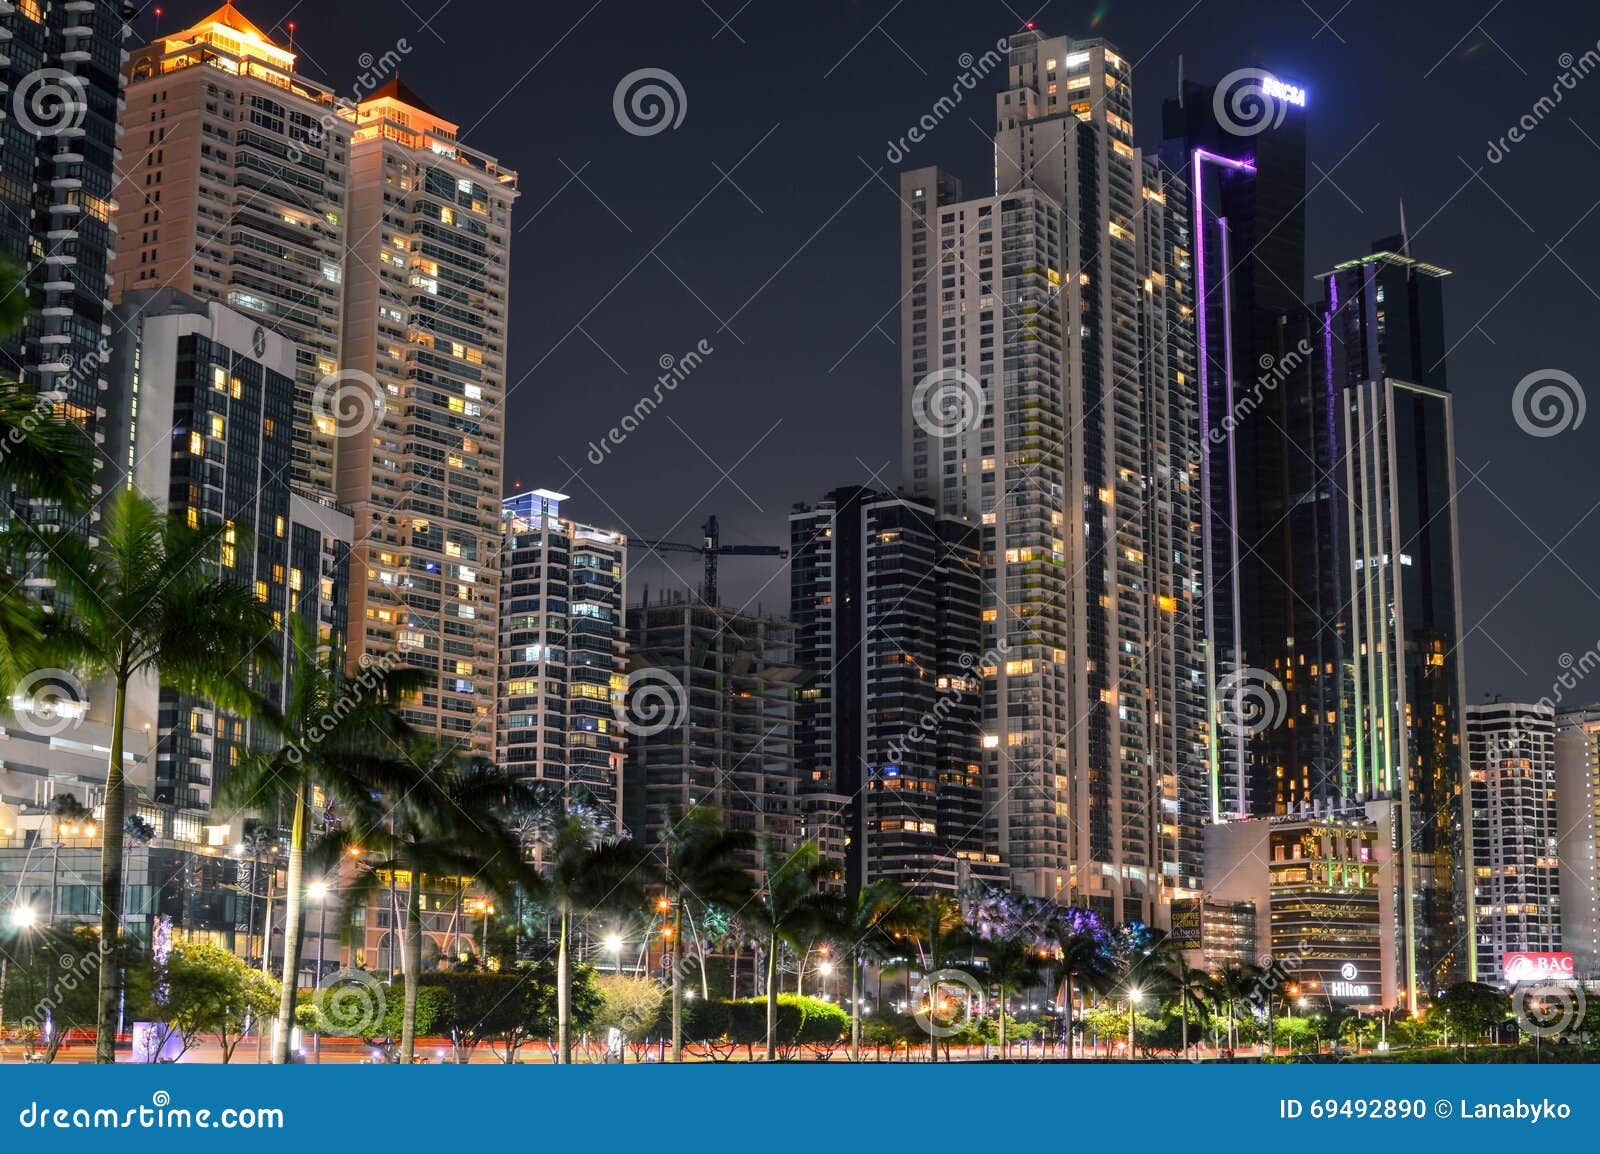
{"points": [[710, 720]]}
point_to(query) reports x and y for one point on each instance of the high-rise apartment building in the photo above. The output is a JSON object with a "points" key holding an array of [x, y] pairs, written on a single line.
{"points": [[1047, 382], [203, 423], [563, 653], [233, 189], [1273, 523], [1578, 835], [886, 599], [1385, 370], [1511, 763], [419, 407], [61, 72], [710, 716]]}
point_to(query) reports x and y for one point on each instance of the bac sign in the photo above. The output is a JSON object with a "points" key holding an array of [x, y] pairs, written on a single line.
{"points": [[1523, 967]]}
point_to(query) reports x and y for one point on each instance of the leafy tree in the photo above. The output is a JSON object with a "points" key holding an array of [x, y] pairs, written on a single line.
{"points": [[586, 874], [206, 989], [152, 596], [786, 911], [630, 1006], [508, 1008], [53, 978], [1471, 1009], [342, 735], [702, 866]]}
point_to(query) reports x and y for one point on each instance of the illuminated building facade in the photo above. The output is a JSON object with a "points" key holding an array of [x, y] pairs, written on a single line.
{"points": [[886, 597], [233, 189], [203, 422], [426, 293], [1322, 886], [1059, 312], [1273, 523], [1516, 886], [563, 653], [1578, 838], [1385, 364], [57, 172]]}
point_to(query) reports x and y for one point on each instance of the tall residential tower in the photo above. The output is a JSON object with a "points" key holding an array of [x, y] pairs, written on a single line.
{"points": [[1047, 385], [418, 406]]}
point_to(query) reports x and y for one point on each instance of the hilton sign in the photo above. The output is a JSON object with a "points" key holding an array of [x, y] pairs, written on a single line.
{"points": [[1348, 988]]}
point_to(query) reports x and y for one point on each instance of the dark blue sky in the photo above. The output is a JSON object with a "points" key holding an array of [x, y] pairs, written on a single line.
{"points": [[630, 248]]}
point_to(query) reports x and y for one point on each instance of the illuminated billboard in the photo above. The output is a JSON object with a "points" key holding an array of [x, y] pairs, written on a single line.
{"points": [[1534, 967]]}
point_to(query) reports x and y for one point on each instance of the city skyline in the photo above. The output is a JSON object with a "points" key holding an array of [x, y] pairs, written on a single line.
{"points": [[1471, 92], [1112, 603]]}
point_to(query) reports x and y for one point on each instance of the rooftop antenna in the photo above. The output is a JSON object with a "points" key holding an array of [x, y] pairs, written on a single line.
{"points": [[1405, 238], [1180, 80]]}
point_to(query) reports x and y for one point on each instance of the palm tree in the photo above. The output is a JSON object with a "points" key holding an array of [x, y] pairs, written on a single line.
{"points": [[1233, 987], [934, 924], [1015, 963], [585, 874], [1083, 960], [702, 865], [861, 929], [148, 597], [786, 910], [1192, 987], [448, 823], [342, 735]]}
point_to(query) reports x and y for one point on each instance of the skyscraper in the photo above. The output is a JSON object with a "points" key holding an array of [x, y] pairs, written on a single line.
{"points": [[886, 597], [710, 718], [234, 190], [1578, 823], [1275, 574], [1511, 763], [563, 653], [61, 72], [418, 405], [1048, 354], [1385, 366], [202, 423]]}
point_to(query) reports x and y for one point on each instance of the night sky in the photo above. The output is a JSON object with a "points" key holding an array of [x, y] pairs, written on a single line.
{"points": [[765, 225]]}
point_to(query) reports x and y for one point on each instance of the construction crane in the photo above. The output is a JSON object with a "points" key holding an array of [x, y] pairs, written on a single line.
{"points": [[712, 548]]}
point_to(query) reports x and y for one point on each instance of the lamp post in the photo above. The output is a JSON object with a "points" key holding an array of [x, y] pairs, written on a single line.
{"points": [[1133, 1000], [613, 944]]}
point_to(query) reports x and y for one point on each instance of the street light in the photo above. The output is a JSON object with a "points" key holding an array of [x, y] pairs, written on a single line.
{"points": [[23, 917], [613, 945], [1133, 1000]]}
